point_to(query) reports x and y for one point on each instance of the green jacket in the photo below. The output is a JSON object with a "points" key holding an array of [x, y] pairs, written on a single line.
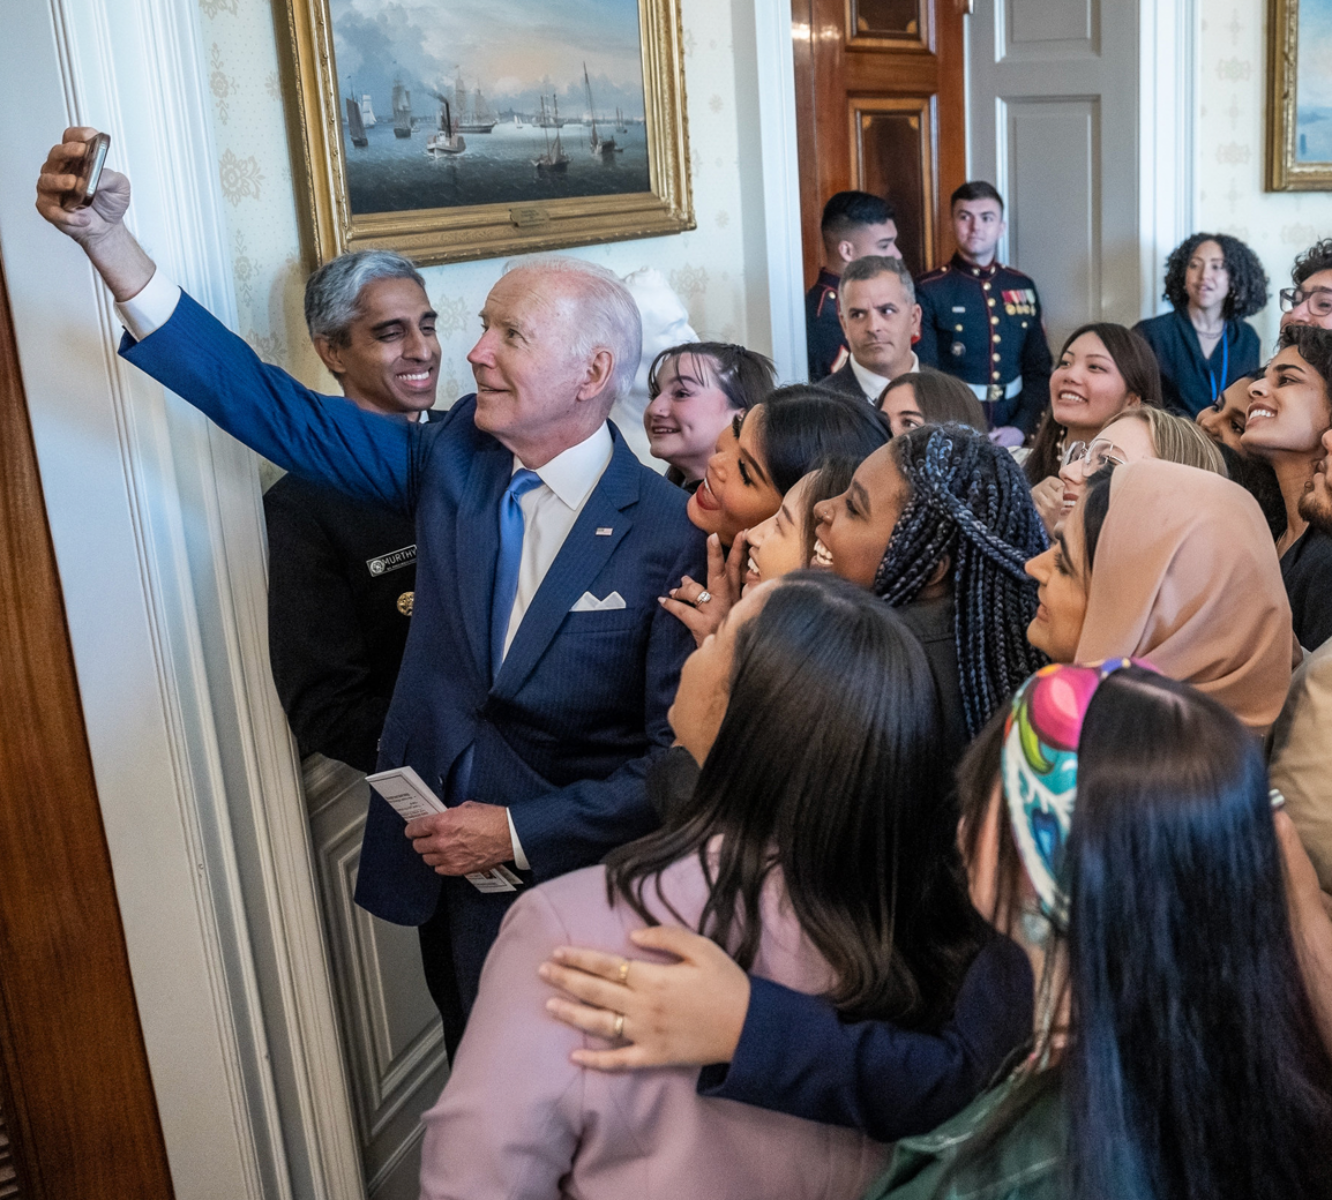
{"points": [[1024, 1165]]}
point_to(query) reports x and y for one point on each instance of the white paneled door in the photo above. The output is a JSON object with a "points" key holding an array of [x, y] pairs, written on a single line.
{"points": [[1054, 123]]}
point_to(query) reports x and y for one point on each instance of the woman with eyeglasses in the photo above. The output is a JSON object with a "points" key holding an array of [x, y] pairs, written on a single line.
{"points": [[1102, 370], [1204, 345], [1137, 434], [1309, 302]]}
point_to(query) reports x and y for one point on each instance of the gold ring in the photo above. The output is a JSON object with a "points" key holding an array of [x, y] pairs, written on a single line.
{"points": [[624, 971], [619, 1026]]}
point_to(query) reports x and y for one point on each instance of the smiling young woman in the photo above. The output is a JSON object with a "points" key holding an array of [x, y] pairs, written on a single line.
{"points": [[1289, 413], [1102, 370], [696, 390]]}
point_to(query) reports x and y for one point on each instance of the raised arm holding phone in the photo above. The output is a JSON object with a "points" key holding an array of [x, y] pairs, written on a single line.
{"points": [[533, 692]]}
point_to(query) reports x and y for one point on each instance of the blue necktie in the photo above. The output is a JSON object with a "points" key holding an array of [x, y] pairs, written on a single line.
{"points": [[506, 568]]}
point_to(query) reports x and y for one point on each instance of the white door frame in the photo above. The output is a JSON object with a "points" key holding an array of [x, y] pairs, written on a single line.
{"points": [[158, 531]]}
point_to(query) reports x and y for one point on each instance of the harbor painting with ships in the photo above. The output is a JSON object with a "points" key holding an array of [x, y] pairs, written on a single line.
{"points": [[457, 104]]}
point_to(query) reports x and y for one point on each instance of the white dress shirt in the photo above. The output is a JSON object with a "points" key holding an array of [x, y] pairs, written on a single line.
{"points": [[871, 384], [549, 511]]}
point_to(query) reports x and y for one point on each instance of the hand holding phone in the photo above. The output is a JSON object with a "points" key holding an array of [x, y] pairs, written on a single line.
{"points": [[89, 174]]}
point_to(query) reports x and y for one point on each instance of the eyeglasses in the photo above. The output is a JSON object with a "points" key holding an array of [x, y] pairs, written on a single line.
{"points": [[1319, 300], [1094, 455]]}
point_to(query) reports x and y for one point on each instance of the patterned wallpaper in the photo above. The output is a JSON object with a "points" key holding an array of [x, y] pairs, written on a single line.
{"points": [[705, 266], [1232, 148]]}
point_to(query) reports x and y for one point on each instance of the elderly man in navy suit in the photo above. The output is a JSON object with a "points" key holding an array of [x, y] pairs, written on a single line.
{"points": [[539, 666]]}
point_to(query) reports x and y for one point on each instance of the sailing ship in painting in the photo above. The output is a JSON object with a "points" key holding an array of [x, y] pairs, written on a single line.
{"points": [[474, 112], [602, 148], [402, 111], [620, 126], [554, 161], [448, 140], [367, 111], [355, 124]]}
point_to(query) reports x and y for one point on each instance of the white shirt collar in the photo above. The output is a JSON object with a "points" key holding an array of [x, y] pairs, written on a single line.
{"points": [[872, 384], [574, 472]]}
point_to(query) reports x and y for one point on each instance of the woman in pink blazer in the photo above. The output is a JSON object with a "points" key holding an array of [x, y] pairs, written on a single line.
{"points": [[817, 850]]}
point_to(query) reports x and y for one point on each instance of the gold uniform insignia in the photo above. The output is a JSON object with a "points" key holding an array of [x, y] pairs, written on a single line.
{"points": [[405, 602]]}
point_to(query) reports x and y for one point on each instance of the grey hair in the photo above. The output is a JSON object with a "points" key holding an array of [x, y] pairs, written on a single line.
{"points": [[874, 265], [609, 320], [333, 293]]}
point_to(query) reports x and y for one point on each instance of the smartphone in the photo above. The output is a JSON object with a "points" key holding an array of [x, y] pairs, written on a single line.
{"points": [[90, 173]]}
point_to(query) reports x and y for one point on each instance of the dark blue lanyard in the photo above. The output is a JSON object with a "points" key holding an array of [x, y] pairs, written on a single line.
{"points": [[1225, 366]]}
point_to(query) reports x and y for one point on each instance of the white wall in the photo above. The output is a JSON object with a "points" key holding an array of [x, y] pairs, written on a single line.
{"points": [[718, 269], [1231, 150]]}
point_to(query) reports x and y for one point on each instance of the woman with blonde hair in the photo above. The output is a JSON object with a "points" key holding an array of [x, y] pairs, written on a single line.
{"points": [[1133, 436]]}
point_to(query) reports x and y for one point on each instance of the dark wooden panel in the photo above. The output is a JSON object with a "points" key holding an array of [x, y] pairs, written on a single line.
{"points": [[894, 157], [852, 59], [74, 1081]]}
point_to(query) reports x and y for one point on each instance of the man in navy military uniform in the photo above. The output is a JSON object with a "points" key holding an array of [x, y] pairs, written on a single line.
{"points": [[342, 569], [854, 224], [981, 321]]}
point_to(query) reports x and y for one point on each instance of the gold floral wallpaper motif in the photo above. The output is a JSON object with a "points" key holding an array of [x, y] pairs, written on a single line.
{"points": [[1229, 153], [254, 166]]}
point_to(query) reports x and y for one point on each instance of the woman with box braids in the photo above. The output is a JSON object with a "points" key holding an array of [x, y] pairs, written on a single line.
{"points": [[970, 504]]}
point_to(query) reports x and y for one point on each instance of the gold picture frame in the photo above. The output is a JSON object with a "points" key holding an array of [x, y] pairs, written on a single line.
{"points": [[504, 225], [1294, 164]]}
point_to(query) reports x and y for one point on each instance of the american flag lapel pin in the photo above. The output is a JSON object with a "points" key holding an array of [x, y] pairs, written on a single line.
{"points": [[604, 531]]}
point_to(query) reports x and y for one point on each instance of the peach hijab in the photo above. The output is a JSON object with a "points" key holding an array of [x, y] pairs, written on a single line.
{"points": [[1186, 576]]}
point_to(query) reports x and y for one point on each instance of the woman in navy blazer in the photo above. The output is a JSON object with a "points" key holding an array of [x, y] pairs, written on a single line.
{"points": [[831, 870], [1213, 281]]}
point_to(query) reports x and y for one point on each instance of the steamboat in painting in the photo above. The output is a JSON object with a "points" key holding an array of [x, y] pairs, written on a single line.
{"points": [[472, 119]]}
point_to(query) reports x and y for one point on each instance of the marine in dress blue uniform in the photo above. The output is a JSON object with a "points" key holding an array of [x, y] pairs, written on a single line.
{"points": [[983, 325], [825, 340]]}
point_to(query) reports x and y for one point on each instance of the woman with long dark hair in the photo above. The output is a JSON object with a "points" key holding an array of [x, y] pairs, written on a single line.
{"points": [[759, 458], [1290, 409], [1204, 344], [832, 871], [1117, 825]]}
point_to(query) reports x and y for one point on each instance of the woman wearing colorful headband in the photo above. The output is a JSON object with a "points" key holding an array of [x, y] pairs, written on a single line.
{"points": [[1176, 565], [1117, 825]]}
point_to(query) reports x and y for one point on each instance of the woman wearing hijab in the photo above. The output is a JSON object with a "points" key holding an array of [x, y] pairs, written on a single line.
{"points": [[1175, 565]]}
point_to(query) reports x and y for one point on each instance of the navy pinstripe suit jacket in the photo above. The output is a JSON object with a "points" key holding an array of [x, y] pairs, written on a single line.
{"points": [[564, 734]]}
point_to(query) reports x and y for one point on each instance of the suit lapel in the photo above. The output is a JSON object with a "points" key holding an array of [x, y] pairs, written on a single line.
{"points": [[580, 560], [476, 547]]}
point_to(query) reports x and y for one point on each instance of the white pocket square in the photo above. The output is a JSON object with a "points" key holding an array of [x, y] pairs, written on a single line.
{"points": [[587, 602]]}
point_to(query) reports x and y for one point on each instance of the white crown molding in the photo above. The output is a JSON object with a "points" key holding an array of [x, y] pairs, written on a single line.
{"points": [[158, 529]]}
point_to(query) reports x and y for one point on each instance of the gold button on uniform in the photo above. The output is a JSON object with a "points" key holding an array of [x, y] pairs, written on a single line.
{"points": [[996, 358], [405, 602]]}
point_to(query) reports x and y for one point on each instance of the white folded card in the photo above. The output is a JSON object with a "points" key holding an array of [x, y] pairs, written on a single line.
{"points": [[587, 602], [407, 793]]}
